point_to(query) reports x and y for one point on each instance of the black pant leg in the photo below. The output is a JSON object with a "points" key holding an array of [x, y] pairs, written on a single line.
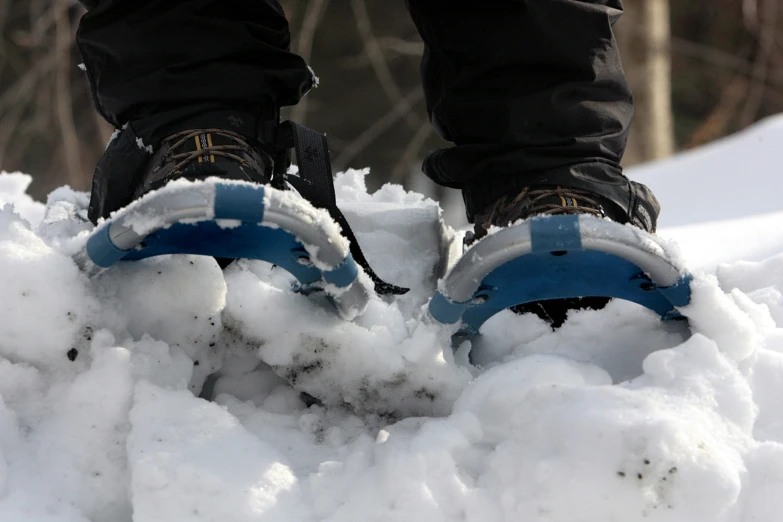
{"points": [[529, 91], [145, 57]]}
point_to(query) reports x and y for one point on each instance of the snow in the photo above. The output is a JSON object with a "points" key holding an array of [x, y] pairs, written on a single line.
{"points": [[104, 383], [727, 179], [146, 148], [13, 188]]}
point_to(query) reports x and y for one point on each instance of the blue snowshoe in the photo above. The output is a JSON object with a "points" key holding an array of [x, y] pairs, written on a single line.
{"points": [[557, 257]]}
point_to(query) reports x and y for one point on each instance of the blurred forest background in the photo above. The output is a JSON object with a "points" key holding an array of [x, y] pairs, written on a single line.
{"points": [[700, 69]]}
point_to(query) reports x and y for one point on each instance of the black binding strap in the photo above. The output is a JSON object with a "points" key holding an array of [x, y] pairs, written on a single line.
{"points": [[315, 183]]}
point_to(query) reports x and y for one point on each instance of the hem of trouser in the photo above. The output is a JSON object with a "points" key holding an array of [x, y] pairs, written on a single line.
{"points": [[155, 127], [480, 195]]}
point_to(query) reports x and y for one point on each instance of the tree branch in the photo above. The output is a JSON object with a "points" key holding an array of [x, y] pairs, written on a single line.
{"points": [[377, 59], [67, 126], [397, 112], [767, 37]]}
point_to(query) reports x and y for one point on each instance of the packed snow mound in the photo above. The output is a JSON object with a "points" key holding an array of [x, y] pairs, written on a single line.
{"points": [[104, 388], [734, 177]]}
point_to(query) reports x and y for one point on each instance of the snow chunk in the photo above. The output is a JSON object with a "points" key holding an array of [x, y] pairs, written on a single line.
{"points": [[191, 460], [44, 301], [720, 317], [146, 148], [503, 388], [157, 298], [388, 366], [13, 188]]}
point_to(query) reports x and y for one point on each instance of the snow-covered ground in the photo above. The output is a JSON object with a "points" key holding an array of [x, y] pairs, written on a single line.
{"points": [[612, 417]]}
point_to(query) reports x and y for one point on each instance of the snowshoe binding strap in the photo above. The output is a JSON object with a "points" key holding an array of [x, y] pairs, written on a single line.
{"points": [[315, 183]]}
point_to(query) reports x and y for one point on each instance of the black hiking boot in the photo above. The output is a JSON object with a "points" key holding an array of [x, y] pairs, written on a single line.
{"points": [[198, 154], [148, 153], [223, 144], [543, 200]]}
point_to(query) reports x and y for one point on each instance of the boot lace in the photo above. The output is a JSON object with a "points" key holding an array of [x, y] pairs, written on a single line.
{"points": [[531, 202], [183, 159]]}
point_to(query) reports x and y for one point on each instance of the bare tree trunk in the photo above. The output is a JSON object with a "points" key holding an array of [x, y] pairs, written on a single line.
{"points": [[645, 42], [70, 142]]}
